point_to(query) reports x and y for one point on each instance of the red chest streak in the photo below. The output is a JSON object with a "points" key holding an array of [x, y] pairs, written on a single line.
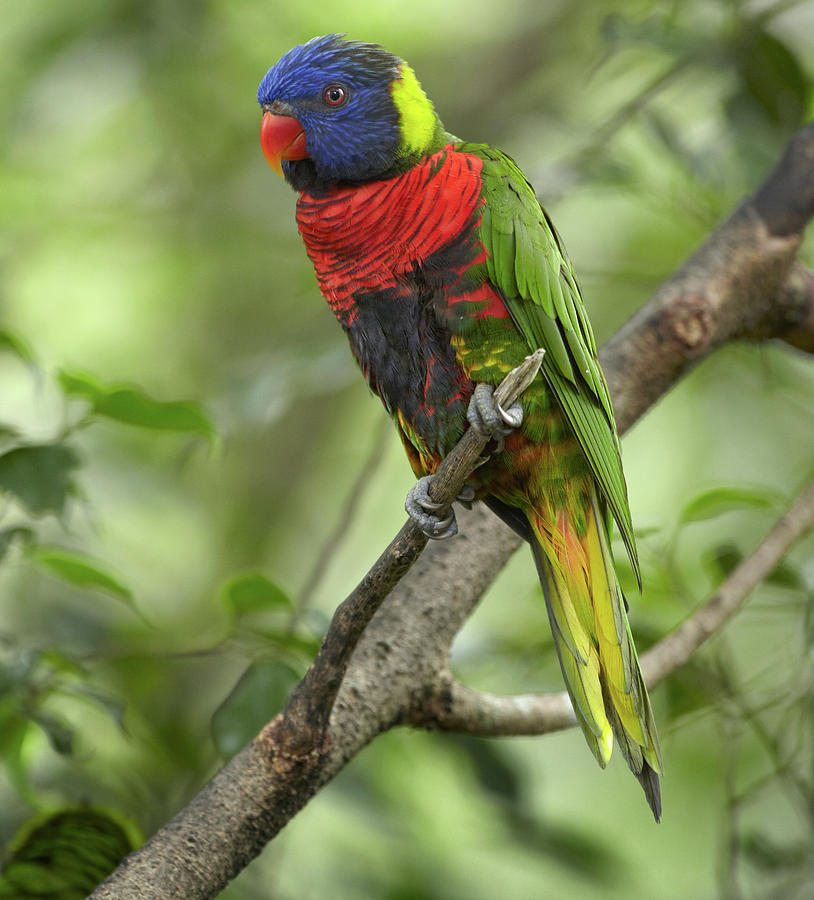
{"points": [[374, 236]]}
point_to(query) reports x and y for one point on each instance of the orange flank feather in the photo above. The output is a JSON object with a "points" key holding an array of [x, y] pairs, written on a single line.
{"points": [[593, 641]]}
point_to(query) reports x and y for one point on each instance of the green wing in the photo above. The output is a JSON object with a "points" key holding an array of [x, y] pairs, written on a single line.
{"points": [[528, 263]]}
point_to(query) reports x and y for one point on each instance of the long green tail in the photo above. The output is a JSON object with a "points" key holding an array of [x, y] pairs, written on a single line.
{"points": [[594, 644]]}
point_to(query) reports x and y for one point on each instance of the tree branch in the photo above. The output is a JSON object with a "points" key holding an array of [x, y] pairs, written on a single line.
{"points": [[456, 707], [303, 724], [796, 301], [742, 283], [674, 651], [273, 777]]}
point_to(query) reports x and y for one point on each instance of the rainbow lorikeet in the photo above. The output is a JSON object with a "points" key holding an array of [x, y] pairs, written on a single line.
{"points": [[444, 272]]}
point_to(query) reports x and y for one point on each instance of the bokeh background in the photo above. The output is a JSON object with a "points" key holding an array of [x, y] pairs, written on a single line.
{"points": [[182, 432]]}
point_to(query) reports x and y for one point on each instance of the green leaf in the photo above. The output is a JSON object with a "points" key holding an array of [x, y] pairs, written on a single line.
{"points": [[10, 343], [8, 536], [687, 691], [774, 79], [722, 560], [13, 731], [114, 707], [289, 641], [787, 576], [253, 592], [9, 433], [136, 408], [40, 476], [74, 567], [131, 405], [766, 852], [56, 661], [65, 854], [80, 385], [60, 736], [720, 500], [259, 695]]}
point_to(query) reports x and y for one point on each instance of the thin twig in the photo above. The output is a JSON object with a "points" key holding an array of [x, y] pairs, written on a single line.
{"points": [[673, 651], [346, 516], [455, 707]]}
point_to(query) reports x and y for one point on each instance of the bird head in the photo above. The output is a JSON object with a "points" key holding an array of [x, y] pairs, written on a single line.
{"points": [[338, 111]]}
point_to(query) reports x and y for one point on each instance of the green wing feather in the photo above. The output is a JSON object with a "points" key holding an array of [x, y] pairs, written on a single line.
{"points": [[528, 263]]}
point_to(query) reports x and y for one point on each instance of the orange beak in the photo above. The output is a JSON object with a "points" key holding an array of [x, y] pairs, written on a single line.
{"points": [[282, 137]]}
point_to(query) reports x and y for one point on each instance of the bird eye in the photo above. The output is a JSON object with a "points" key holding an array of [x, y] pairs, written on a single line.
{"points": [[334, 95]]}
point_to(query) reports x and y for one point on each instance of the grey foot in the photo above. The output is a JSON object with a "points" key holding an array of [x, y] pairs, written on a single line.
{"points": [[489, 417], [422, 509]]}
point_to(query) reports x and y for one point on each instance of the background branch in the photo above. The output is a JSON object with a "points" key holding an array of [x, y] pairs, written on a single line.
{"points": [[741, 283], [456, 707], [346, 515], [673, 651]]}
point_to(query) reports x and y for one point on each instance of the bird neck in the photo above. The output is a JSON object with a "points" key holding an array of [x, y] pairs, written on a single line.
{"points": [[422, 132]]}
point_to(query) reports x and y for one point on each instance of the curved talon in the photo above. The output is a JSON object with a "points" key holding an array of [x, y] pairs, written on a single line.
{"points": [[443, 529], [490, 419], [513, 416], [418, 497], [481, 412], [467, 496], [421, 508], [429, 505]]}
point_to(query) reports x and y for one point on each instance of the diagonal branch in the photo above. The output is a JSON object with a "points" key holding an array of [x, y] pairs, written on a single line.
{"points": [[303, 724], [742, 284]]}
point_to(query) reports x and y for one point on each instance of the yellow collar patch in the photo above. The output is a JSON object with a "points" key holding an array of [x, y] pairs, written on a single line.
{"points": [[416, 114]]}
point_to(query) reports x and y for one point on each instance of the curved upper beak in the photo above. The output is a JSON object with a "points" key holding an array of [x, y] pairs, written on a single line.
{"points": [[282, 137]]}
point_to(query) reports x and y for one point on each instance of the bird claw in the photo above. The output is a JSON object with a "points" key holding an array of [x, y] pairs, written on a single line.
{"points": [[489, 418], [422, 510], [513, 416]]}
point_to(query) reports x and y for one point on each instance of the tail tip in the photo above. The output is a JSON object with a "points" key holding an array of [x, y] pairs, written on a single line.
{"points": [[649, 780]]}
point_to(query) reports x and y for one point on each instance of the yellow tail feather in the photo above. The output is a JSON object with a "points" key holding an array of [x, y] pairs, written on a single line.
{"points": [[594, 644]]}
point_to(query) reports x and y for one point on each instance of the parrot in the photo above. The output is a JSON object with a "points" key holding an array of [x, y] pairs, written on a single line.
{"points": [[445, 272]]}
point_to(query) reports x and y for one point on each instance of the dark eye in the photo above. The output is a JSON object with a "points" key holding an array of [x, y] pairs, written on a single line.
{"points": [[334, 95]]}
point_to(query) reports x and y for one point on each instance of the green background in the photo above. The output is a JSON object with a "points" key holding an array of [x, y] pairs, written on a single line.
{"points": [[148, 255]]}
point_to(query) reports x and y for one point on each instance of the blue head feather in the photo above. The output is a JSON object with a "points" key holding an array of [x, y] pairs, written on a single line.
{"points": [[356, 141]]}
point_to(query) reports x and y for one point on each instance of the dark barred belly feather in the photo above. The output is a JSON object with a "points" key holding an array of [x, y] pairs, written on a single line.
{"points": [[398, 261]]}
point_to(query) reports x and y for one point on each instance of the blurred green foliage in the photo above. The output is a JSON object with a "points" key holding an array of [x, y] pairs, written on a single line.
{"points": [[181, 426], [66, 854]]}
